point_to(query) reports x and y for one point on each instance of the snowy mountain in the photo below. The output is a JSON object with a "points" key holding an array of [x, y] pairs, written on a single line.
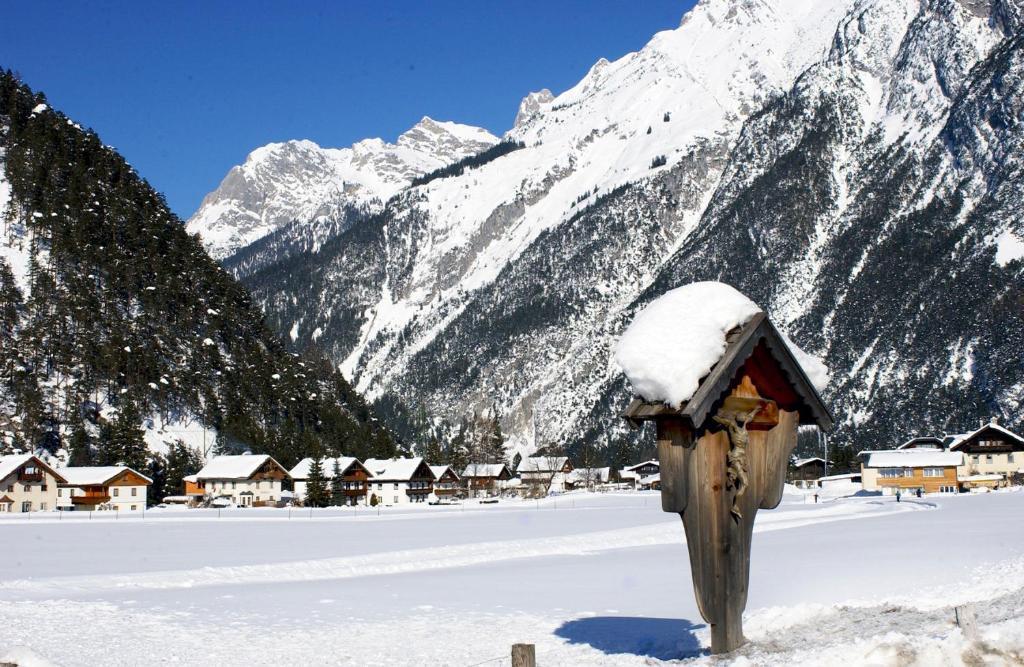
{"points": [[848, 164], [298, 180]]}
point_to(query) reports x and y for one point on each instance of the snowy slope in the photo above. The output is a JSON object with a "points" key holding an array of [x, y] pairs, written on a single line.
{"points": [[299, 180], [799, 142]]}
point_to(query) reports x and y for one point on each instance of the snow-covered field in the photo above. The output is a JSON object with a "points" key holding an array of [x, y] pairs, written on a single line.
{"points": [[590, 579]]}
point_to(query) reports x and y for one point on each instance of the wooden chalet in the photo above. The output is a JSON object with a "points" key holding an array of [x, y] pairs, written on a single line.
{"points": [[805, 472], [246, 480], [447, 483], [990, 452], [354, 478], [723, 455], [92, 488], [634, 473], [27, 484], [486, 479], [911, 470]]}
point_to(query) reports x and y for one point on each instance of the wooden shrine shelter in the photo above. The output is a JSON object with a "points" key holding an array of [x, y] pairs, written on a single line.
{"points": [[724, 455]]}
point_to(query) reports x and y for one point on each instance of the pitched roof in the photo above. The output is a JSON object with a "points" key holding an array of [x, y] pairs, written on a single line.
{"points": [[542, 464], [395, 469], [913, 458], [439, 471], [921, 441], [800, 463], [651, 479], [12, 462], [961, 439], [484, 470], [645, 463], [599, 475], [238, 466], [301, 469], [96, 475], [740, 346]]}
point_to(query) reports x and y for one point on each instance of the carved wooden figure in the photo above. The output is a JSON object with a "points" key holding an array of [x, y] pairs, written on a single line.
{"points": [[724, 455]]}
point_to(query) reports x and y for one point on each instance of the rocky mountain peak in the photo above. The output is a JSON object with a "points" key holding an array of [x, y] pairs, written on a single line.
{"points": [[531, 105]]}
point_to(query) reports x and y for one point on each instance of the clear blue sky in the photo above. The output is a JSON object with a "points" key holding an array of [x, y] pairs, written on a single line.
{"points": [[184, 90]]}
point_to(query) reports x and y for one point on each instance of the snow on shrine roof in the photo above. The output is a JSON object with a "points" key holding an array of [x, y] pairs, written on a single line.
{"points": [[913, 458], [393, 469], [439, 471], [237, 466], [96, 475], [962, 438], [679, 337], [542, 464], [301, 469], [800, 463], [12, 462], [483, 470], [683, 350]]}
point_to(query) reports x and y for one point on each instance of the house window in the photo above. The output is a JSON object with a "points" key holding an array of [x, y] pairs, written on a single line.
{"points": [[26, 506], [396, 485], [395, 501], [134, 492], [891, 473], [42, 506], [26, 488], [976, 458], [1009, 457], [988, 458], [134, 507], [117, 492], [10, 487], [60, 492], [234, 485], [933, 472], [43, 487]]}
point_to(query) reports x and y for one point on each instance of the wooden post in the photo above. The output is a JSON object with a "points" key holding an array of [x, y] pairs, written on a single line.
{"points": [[524, 655], [695, 483]]}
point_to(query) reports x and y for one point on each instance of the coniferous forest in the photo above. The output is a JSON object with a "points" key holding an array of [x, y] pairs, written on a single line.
{"points": [[112, 315]]}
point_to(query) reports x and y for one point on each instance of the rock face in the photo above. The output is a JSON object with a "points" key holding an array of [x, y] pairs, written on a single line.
{"points": [[300, 181], [849, 165]]}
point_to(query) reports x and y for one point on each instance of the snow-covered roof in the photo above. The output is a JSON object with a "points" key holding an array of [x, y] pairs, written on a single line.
{"points": [[483, 470], [913, 458], [626, 474], [96, 475], [542, 464], [645, 463], [924, 442], [301, 469], [651, 479], [194, 479], [439, 471], [961, 439], [836, 478], [990, 477], [11, 463], [800, 463], [236, 466], [393, 469]]}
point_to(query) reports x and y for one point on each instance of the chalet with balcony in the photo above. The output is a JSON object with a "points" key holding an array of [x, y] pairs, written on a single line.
{"points": [[634, 473], [486, 479], [550, 472], [993, 456], [247, 480], [96, 488], [354, 478], [447, 482], [399, 481], [27, 484]]}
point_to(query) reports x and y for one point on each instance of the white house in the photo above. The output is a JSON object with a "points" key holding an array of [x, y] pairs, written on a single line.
{"points": [[447, 482], [27, 484], [247, 480], [634, 473], [90, 488], [354, 478], [399, 481], [588, 478], [545, 471]]}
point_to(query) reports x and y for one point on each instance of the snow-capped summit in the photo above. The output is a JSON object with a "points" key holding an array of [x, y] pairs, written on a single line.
{"points": [[531, 105], [300, 180]]}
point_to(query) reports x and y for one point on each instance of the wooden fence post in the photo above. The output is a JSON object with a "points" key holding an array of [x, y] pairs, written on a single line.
{"points": [[524, 655], [966, 621]]}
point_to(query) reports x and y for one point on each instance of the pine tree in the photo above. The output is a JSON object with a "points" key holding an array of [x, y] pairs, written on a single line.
{"points": [[80, 449], [337, 490], [433, 452], [317, 492], [182, 461]]}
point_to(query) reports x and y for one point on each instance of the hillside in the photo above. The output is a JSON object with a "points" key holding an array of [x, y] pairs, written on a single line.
{"points": [[848, 164], [119, 330]]}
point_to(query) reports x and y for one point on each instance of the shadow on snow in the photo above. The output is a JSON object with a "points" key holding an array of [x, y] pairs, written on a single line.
{"points": [[661, 638]]}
